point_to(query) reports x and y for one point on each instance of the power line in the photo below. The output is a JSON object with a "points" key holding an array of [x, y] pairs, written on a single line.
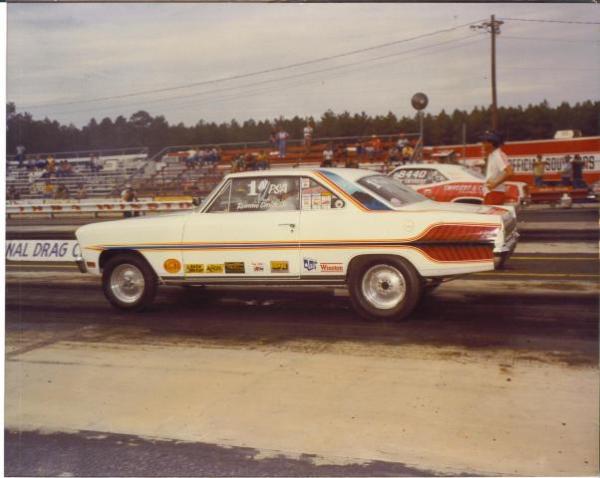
{"points": [[277, 80], [255, 73], [538, 20], [565, 40]]}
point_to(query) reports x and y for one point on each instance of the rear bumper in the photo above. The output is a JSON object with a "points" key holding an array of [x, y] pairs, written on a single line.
{"points": [[509, 245]]}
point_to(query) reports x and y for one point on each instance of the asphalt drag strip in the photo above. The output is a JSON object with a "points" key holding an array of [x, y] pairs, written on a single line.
{"points": [[113, 454]]}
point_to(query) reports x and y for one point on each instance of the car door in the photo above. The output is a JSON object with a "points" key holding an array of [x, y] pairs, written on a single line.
{"points": [[325, 220], [249, 231]]}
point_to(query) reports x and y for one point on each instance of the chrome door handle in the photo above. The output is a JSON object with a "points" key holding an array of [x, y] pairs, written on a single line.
{"points": [[292, 226]]}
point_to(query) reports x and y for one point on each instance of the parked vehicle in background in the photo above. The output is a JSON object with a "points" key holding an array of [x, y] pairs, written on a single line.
{"points": [[454, 183], [337, 227]]}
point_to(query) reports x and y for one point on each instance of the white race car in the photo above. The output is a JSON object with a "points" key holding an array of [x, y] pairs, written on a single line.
{"points": [[334, 227]]}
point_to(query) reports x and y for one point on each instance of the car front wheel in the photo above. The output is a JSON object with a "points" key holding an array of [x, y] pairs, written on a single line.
{"points": [[129, 283], [387, 288]]}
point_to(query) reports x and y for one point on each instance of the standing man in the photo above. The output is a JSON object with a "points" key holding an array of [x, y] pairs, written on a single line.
{"points": [[308, 132], [498, 169], [577, 171], [282, 137], [539, 167], [20, 157], [566, 172]]}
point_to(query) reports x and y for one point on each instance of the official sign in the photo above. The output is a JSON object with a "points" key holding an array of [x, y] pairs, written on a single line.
{"points": [[42, 250]]}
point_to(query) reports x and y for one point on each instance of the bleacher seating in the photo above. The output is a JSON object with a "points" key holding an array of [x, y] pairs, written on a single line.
{"points": [[106, 182], [167, 172]]}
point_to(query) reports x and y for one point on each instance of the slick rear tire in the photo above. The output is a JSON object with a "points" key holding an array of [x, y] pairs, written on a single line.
{"points": [[129, 283], [384, 288]]}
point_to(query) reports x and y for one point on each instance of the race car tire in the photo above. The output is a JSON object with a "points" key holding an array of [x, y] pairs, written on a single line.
{"points": [[383, 288], [128, 282]]}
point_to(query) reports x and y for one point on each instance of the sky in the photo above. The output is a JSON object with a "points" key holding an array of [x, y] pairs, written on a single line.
{"points": [[72, 62]]}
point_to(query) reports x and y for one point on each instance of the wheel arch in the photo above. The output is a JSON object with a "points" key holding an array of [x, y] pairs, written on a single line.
{"points": [[468, 200], [107, 255], [357, 261]]}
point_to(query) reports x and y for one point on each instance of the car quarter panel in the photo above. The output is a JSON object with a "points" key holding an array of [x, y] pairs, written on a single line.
{"points": [[155, 238], [436, 243]]}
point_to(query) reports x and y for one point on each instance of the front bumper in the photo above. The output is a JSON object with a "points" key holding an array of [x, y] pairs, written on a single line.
{"points": [[81, 264]]}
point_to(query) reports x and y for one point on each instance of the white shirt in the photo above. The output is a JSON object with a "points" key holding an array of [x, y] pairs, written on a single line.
{"points": [[328, 154], [497, 163], [308, 131]]}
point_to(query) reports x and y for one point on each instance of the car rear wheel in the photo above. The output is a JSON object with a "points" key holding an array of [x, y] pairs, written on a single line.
{"points": [[128, 282], [384, 288]]}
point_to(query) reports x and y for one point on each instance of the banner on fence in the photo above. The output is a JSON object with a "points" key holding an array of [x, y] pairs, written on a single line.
{"points": [[42, 250]]}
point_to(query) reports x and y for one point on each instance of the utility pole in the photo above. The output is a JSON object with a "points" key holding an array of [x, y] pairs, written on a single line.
{"points": [[493, 27]]}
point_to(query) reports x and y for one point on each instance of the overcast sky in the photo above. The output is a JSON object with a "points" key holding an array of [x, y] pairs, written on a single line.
{"points": [[74, 53]]}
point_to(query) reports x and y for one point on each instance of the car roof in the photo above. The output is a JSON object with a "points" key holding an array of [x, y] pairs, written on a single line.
{"points": [[352, 174]]}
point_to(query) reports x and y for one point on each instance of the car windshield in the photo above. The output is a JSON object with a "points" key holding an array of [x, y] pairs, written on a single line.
{"points": [[473, 172], [391, 189]]}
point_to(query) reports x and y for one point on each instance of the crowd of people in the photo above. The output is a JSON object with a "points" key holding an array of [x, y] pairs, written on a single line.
{"points": [[571, 173], [200, 157]]}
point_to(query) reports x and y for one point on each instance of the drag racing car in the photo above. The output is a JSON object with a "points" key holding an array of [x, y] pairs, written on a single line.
{"points": [[454, 183], [325, 227]]}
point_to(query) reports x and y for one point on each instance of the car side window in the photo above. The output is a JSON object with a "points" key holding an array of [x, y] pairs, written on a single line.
{"points": [[316, 197], [221, 202], [435, 176], [266, 193]]}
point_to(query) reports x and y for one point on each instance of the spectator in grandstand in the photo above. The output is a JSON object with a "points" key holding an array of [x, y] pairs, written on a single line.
{"points": [[328, 156], [51, 166], [94, 165], [566, 173], [249, 162], [392, 157], [61, 192], [48, 190], [577, 172], [238, 164], [273, 139], [308, 133], [402, 141], [13, 194], [374, 148], [20, 157], [407, 153], [81, 191], [193, 157], [282, 137], [263, 162], [360, 149], [129, 195], [65, 169], [40, 163], [539, 167], [498, 169], [30, 164]]}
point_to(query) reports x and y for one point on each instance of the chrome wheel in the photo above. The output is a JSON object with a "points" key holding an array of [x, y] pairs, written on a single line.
{"points": [[127, 283], [383, 286]]}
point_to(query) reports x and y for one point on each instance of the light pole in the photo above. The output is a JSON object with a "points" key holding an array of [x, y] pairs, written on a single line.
{"points": [[419, 102]]}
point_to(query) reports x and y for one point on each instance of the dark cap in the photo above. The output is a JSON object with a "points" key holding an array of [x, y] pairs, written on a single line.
{"points": [[494, 137]]}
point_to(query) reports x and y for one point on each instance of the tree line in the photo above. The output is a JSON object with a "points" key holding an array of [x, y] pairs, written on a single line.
{"points": [[141, 129]]}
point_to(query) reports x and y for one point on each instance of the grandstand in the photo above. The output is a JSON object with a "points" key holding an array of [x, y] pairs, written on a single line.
{"points": [[114, 168], [167, 172]]}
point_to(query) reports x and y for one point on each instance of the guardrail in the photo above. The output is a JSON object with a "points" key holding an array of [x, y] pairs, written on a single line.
{"points": [[53, 209]]}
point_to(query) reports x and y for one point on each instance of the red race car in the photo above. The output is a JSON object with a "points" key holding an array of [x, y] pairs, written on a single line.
{"points": [[454, 183]]}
